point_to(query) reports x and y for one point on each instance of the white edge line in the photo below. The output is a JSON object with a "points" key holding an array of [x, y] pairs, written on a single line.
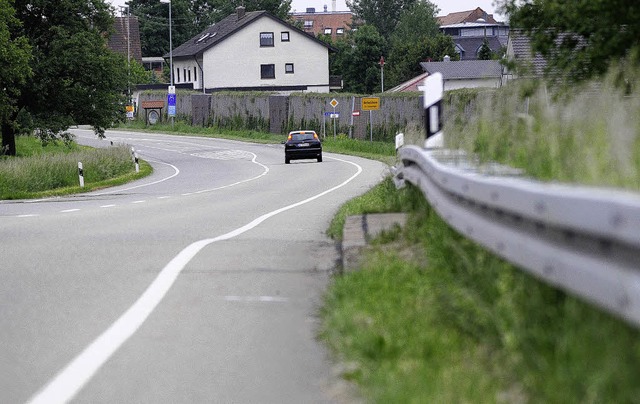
{"points": [[73, 377]]}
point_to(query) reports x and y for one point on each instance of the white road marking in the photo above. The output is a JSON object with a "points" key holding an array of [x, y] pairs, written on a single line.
{"points": [[268, 299], [31, 215], [108, 206], [175, 173], [69, 210], [138, 202], [70, 380]]}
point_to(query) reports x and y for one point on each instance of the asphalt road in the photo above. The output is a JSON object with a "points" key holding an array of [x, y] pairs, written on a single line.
{"points": [[200, 283]]}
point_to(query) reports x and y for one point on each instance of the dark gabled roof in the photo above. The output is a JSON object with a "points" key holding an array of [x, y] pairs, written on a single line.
{"points": [[219, 31], [465, 69], [470, 45]]}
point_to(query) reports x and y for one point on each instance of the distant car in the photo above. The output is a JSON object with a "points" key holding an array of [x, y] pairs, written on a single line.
{"points": [[302, 144]]}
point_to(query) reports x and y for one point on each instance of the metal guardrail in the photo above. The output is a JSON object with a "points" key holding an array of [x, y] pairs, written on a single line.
{"points": [[584, 240]]}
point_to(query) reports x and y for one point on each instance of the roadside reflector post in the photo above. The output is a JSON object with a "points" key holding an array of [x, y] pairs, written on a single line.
{"points": [[81, 174], [134, 154], [399, 141], [433, 91]]}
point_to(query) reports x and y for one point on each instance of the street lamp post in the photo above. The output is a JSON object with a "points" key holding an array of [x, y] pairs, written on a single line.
{"points": [[171, 97], [170, 44]]}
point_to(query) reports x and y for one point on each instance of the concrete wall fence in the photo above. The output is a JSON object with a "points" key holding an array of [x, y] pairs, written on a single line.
{"points": [[280, 113]]}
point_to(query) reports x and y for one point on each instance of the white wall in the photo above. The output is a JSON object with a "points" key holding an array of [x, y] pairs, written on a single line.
{"points": [[235, 62], [472, 83]]}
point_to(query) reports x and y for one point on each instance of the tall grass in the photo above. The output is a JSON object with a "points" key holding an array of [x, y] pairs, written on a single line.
{"points": [[590, 136], [52, 172]]}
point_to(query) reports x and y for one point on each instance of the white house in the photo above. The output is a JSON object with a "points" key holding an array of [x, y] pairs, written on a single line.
{"points": [[253, 51]]}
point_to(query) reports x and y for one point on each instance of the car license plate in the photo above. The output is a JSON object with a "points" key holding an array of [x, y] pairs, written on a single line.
{"points": [[303, 144]]}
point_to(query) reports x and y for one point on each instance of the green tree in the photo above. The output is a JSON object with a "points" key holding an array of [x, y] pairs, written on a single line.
{"points": [[578, 38], [405, 58], [278, 8], [416, 38], [357, 60], [484, 53], [76, 78], [383, 14], [188, 18], [15, 55]]}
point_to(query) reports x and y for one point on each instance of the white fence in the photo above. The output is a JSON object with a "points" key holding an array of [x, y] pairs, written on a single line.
{"points": [[581, 239]]}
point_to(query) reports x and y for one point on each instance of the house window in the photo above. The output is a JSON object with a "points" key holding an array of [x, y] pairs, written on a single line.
{"points": [[189, 75], [195, 74], [267, 71], [284, 36], [339, 31], [308, 24], [177, 74], [288, 68], [266, 39], [327, 31]]}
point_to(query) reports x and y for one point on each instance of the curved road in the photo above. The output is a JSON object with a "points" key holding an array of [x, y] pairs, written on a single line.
{"points": [[200, 283]]}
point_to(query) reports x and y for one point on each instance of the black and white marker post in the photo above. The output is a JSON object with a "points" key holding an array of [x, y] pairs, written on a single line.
{"points": [[433, 91], [134, 153], [81, 174]]}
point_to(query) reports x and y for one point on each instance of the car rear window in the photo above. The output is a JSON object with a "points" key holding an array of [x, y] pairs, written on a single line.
{"points": [[302, 136]]}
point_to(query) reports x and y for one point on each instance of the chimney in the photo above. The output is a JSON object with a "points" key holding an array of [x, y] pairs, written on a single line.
{"points": [[447, 58], [325, 8], [311, 10], [240, 12], [333, 6]]}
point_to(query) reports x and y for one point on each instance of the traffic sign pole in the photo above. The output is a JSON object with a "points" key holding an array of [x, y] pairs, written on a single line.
{"points": [[334, 104]]}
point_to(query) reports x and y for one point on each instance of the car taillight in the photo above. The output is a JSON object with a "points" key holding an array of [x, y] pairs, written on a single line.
{"points": [[315, 136], [288, 137]]}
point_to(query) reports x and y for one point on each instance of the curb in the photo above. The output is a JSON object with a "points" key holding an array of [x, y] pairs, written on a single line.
{"points": [[360, 229]]}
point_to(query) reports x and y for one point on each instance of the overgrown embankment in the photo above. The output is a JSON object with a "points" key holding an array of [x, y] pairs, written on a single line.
{"points": [[433, 317], [52, 169]]}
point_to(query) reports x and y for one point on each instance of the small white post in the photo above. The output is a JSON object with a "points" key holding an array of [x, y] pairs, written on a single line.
{"points": [[81, 175], [135, 159], [399, 141]]}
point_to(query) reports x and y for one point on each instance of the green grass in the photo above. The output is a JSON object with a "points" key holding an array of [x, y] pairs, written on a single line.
{"points": [[433, 317], [50, 170]]}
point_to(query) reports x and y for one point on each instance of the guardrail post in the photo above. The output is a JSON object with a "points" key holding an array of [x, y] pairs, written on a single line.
{"points": [[433, 91]]}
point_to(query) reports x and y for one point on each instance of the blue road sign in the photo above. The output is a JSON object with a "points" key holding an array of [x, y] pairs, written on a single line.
{"points": [[171, 104]]}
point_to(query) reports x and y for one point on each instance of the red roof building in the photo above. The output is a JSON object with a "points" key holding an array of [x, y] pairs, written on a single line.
{"points": [[334, 23], [466, 16]]}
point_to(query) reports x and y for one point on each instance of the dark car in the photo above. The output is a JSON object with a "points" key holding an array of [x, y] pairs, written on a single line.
{"points": [[302, 144]]}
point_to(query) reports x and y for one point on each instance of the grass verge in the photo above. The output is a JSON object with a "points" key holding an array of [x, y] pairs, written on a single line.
{"points": [[433, 317], [52, 170]]}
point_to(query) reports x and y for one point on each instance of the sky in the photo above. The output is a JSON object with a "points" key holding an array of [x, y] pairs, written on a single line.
{"points": [[446, 6]]}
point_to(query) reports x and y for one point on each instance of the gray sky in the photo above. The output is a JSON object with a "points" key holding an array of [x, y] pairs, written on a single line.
{"points": [[446, 6]]}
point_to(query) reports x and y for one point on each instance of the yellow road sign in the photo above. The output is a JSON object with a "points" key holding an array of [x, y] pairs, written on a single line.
{"points": [[370, 103]]}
